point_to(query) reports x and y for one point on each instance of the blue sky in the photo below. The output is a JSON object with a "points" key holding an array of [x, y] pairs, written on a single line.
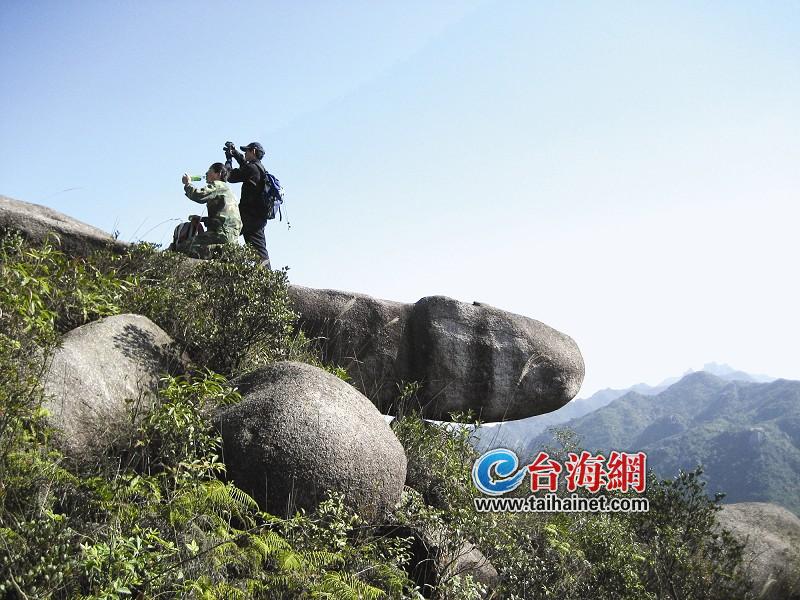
{"points": [[626, 172]]}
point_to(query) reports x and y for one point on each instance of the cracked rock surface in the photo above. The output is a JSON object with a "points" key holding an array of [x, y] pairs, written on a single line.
{"points": [[500, 365]]}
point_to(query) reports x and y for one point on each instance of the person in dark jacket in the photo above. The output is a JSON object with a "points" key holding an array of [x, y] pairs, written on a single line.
{"points": [[251, 174]]}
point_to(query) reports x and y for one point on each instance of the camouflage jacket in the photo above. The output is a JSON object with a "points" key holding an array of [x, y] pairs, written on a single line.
{"points": [[223, 222]]}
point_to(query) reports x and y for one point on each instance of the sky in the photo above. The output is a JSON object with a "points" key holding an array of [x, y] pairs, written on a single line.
{"points": [[626, 172]]}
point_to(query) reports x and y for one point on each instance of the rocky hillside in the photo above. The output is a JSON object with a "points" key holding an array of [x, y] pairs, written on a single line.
{"points": [[178, 429]]}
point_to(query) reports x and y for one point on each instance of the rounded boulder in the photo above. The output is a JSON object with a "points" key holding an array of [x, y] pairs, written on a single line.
{"points": [[299, 432], [771, 538], [98, 369]]}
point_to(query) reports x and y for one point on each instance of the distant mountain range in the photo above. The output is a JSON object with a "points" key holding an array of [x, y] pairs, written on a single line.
{"points": [[515, 434], [745, 432]]}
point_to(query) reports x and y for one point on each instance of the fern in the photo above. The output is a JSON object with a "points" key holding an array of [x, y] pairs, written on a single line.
{"points": [[268, 543], [390, 577], [256, 588], [227, 498], [289, 560], [205, 589], [319, 559], [345, 586], [244, 500], [285, 583], [213, 499]]}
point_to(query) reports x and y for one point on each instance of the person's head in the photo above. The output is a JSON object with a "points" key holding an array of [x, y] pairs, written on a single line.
{"points": [[253, 151], [217, 172]]}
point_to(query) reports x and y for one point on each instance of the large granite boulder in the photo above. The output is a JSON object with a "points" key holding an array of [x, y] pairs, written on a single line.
{"points": [[771, 535], [357, 332], [96, 371], [36, 223], [299, 432], [466, 356], [500, 365]]}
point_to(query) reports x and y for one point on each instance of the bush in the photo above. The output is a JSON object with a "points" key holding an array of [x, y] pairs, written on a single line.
{"points": [[673, 552], [687, 557], [51, 291], [42, 292], [161, 524], [439, 460], [230, 314]]}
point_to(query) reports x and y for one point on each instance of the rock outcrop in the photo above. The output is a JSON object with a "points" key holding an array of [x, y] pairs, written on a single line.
{"points": [[500, 365], [359, 332], [771, 535], [432, 561], [36, 223], [473, 357], [468, 560], [97, 368], [300, 431]]}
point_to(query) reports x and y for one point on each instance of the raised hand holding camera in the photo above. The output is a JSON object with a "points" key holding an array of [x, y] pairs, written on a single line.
{"points": [[230, 150]]}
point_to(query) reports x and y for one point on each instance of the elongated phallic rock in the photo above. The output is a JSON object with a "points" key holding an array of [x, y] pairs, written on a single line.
{"points": [[500, 365]]}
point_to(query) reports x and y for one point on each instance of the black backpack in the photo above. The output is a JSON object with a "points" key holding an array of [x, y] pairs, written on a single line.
{"points": [[271, 194], [186, 231]]}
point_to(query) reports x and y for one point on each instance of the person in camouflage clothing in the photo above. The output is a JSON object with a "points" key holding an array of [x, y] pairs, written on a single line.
{"points": [[223, 221]]}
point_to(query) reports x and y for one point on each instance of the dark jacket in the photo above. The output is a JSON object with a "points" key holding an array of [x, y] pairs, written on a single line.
{"points": [[251, 176]]}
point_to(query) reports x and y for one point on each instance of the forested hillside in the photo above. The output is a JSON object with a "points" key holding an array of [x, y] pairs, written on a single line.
{"points": [[746, 435]]}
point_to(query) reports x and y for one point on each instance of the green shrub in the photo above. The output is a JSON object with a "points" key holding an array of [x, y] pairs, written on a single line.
{"points": [[439, 460], [438, 502], [35, 556], [42, 292], [687, 557], [230, 313], [175, 436], [51, 290], [673, 552]]}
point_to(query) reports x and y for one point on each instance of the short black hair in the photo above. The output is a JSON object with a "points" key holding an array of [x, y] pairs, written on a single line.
{"points": [[220, 170]]}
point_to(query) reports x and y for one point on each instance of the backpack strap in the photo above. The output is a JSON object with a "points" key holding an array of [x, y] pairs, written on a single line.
{"points": [[264, 173]]}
